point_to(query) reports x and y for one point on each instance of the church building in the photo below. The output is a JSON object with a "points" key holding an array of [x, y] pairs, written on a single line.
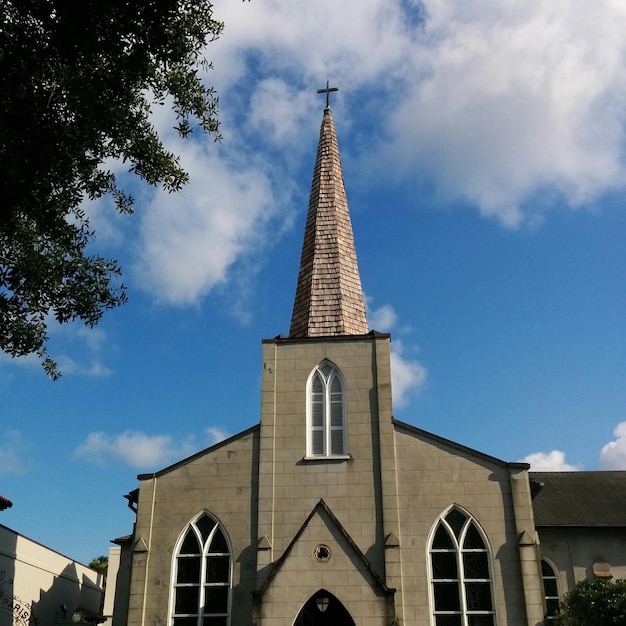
{"points": [[330, 511]]}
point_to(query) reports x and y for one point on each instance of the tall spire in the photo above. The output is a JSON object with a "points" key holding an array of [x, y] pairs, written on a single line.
{"points": [[329, 299]]}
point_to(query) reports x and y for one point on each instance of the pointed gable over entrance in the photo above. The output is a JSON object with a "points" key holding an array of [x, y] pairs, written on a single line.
{"points": [[329, 299]]}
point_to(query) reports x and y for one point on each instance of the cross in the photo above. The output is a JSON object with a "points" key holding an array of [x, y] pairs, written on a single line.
{"points": [[327, 92]]}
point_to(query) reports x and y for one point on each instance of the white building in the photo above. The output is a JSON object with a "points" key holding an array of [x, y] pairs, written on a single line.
{"points": [[42, 587]]}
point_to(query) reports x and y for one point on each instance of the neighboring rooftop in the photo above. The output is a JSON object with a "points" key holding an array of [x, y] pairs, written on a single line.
{"points": [[5, 504], [579, 498], [329, 299]]}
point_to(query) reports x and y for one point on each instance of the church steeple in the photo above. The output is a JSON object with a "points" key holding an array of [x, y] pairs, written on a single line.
{"points": [[329, 299]]}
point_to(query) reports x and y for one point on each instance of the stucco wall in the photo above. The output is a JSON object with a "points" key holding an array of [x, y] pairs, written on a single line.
{"points": [[35, 581], [572, 551]]}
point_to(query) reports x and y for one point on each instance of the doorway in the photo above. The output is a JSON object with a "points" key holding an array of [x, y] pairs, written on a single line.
{"points": [[324, 609]]}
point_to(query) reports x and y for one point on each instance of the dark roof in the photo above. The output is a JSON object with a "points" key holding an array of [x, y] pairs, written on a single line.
{"points": [[5, 504], [579, 498]]}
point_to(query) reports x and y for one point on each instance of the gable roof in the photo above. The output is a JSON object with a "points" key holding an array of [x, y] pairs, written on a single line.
{"points": [[322, 506], [579, 498], [329, 299]]}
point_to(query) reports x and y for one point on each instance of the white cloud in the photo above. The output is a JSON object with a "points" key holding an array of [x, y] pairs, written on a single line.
{"points": [[71, 367], [512, 98], [613, 454], [496, 104], [11, 452], [549, 462], [133, 448], [191, 239], [216, 435], [141, 450], [382, 319], [77, 349], [85, 344], [492, 102], [278, 110], [349, 41], [407, 377]]}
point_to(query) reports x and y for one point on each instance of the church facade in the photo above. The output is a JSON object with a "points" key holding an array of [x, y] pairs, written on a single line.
{"points": [[330, 511]]}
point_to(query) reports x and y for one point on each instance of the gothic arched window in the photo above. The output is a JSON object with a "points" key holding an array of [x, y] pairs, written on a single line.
{"points": [[460, 572], [326, 412], [550, 589], [201, 576]]}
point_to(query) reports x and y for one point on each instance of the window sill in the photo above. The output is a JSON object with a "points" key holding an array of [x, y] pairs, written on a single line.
{"points": [[330, 457]]}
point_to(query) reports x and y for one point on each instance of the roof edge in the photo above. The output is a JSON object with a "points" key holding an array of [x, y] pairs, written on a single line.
{"points": [[197, 455], [321, 505], [487, 457], [281, 339]]}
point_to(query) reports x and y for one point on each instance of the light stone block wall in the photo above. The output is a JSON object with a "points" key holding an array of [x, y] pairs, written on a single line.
{"points": [[222, 482], [386, 496], [290, 485], [432, 476], [344, 575]]}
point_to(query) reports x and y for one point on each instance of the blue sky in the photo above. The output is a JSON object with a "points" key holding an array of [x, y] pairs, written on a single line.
{"points": [[483, 148]]}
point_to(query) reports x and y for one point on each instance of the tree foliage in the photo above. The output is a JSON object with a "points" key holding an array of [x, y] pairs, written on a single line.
{"points": [[100, 564], [80, 79], [594, 603]]}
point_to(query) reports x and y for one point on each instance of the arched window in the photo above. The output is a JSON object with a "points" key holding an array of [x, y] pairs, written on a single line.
{"points": [[201, 576], [326, 413], [550, 589], [460, 572]]}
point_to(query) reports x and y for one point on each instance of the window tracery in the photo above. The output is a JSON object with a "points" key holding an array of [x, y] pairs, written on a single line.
{"points": [[201, 576], [460, 572]]}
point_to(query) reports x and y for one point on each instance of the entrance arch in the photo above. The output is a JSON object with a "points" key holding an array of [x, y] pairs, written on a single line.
{"points": [[324, 609]]}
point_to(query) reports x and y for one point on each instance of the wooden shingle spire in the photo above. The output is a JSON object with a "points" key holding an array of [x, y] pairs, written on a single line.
{"points": [[329, 299]]}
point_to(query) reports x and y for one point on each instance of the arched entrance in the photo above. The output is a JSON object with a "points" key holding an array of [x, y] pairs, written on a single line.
{"points": [[323, 609]]}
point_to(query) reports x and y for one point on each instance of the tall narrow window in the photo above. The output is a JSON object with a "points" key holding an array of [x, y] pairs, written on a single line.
{"points": [[460, 573], [202, 576], [326, 432], [550, 589]]}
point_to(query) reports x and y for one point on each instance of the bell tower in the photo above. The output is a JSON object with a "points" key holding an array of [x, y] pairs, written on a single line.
{"points": [[326, 434]]}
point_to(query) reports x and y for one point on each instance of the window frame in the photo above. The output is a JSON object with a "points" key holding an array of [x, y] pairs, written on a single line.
{"points": [[457, 539], [201, 615], [327, 373], [549, 616]]}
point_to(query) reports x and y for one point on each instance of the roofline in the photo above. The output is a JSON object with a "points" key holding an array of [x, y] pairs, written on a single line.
{"points": [[193, 457], [458, 446], [373, 334], [321, 504], [594, 472], [122, 540], [42, 545], [5, 503]]}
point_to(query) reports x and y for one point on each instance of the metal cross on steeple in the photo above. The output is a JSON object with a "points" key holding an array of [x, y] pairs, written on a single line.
{"points": [[327, 92]]}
